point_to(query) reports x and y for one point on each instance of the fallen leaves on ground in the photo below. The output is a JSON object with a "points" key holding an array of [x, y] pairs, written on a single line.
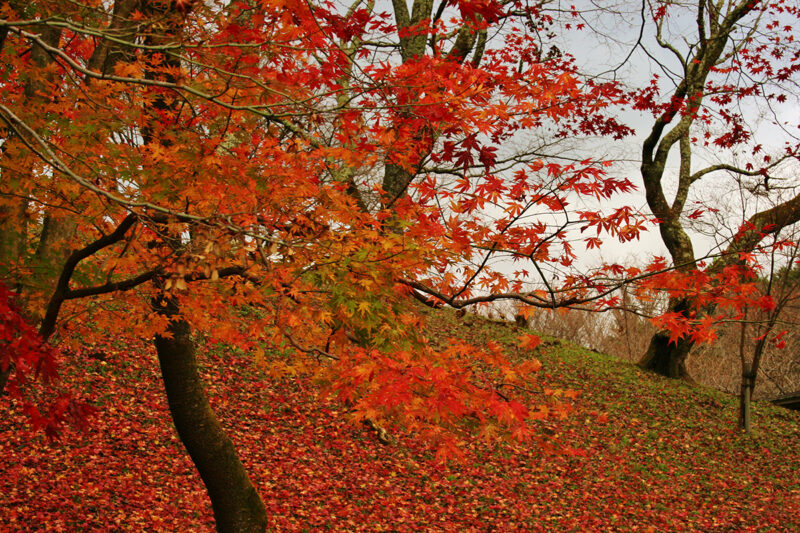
{"points": [[638, 453]]}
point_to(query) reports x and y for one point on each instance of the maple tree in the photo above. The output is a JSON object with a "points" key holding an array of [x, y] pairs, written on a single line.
{"points": [[287, 178], [168, 166], [739, 56]]}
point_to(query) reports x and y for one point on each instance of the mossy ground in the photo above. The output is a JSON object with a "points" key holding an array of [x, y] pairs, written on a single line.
{"points": [[646, 453]]}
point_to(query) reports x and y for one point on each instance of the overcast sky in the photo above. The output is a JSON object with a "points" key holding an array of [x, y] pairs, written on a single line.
{"points": [[606, 47]]}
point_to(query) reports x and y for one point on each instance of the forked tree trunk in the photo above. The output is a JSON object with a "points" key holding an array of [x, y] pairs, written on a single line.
{"points": [[236, 503]]}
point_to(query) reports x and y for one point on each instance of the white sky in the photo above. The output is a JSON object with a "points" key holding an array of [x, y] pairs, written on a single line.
{"points": [[601, 48]]}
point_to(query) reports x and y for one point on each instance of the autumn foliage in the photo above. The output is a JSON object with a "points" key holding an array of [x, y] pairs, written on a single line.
{"points": [[228, 157], [295, 180], [634, 462], [35, 362]]}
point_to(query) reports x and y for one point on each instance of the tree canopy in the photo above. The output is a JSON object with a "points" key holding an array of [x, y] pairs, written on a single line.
{"points": [[294, 178]]}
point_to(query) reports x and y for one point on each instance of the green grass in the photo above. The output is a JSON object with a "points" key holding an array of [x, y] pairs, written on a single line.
{"points": [[668, 457]]}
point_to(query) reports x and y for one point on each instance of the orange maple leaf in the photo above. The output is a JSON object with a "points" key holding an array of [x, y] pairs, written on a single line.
{"points": [[529, 341]]}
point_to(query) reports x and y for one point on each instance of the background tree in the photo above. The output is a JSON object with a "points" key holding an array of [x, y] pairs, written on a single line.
{"points": [[189, 159], [781, 285], [739, 54]]}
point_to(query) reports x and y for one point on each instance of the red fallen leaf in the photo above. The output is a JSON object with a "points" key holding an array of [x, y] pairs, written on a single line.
{"points": [[576, 452], [572, 394], [530, 366], [528, 341]]}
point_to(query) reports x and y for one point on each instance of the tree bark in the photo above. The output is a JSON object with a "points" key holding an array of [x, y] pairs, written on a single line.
{"points": [[13, 228], [236, 503], [669, 130], [396, 177], [668, 358], [665, 358], [58, 230], [745, 395]]}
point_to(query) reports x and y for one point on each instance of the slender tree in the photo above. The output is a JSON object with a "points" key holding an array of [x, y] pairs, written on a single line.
{"points": [[182, 160], [780, 286]]}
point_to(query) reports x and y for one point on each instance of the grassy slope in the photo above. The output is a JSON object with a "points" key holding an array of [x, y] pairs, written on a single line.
{"points": [[667, 458]]}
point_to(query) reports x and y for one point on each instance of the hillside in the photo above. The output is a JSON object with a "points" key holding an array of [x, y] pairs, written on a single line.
{"points": [[646, 454]]}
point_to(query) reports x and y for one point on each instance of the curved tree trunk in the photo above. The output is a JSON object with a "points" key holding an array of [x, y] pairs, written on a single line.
{"points": [[670, 130], [237, 506], [236, 503]]}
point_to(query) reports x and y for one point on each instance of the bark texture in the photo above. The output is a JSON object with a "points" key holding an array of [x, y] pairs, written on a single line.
{"points": [[236, 503], [671, 130], [469, 38], [665, 358]]}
